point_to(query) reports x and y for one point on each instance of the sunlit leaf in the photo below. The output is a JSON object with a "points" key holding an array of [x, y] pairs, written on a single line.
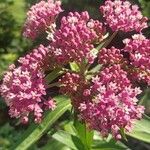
{"points": [[55, 145], [74, 67], [70, 140], [141, 130]]}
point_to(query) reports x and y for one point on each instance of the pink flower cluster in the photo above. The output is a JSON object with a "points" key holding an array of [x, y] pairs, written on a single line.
{"points": [[76, 37], [23, 88], [139, 51], [40, 17], [109, 105], [136, 61], [58, 56], [121, 15], [116, 77]]}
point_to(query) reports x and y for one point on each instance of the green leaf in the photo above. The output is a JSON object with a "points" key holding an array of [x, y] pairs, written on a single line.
{"points": [[70, 140], [68, 127], [96, 69], [141, 130], [53, 75], [108, 145], [34, 132], [122, 131], [55, 145], [74, 67], [145, 98], [85, 135]]}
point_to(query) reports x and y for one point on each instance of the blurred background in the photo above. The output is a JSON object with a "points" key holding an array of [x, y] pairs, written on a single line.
{"points": [[13, 45]]}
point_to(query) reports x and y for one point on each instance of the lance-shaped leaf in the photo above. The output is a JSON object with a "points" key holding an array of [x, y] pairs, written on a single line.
{"points": [[53, 75], [141, 130], [74, 66], [85, 135]]}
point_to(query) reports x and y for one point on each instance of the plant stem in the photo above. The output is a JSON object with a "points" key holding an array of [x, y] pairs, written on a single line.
{"points": [[57, 84], [83, 67], [68, 70], [110, 39]]}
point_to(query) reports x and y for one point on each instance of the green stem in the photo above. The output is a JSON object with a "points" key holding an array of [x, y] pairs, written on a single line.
{"points": [[68, 70], [54, 84], [110, 39], [85, 135], [83, 67]]}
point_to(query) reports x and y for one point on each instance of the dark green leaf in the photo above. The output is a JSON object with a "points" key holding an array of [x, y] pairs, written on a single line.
{"points": [[53, 75], [108, 145]]}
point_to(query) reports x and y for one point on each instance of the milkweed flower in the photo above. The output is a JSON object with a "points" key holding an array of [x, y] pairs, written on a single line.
{"points": [[70, 83], [121, 15], [22, 90], [115, 75], [45, 57], [58, 57], [138, 48], [40, 17], [112, 104], [77, 35], [24, 87]]}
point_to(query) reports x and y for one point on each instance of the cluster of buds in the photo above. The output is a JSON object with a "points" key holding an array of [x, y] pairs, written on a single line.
{"points": [[76, 37], [105, 99], [40, 17], [139, 53], [121, 15]]}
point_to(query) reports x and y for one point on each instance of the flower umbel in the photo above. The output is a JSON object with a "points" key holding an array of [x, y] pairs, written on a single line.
{"points": [[24, 87], [139, 51], [121, 15], [76, 37], [40, 17], [111, 104]]}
